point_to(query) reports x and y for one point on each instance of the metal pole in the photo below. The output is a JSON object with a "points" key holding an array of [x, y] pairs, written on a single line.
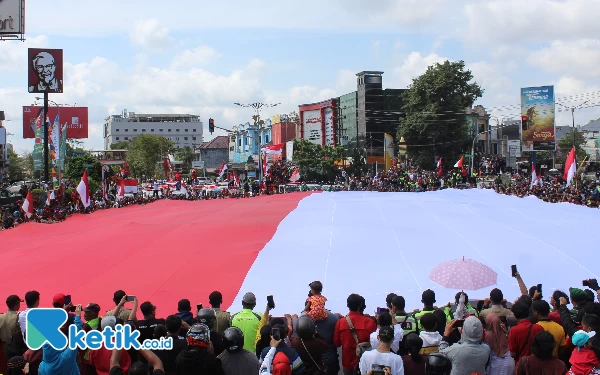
{"points": [[46, 174], [573, 116]]}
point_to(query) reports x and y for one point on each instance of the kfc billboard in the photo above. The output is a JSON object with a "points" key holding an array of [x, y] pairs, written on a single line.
{"points": [[45, 71], [12, 15], [76, 119]]}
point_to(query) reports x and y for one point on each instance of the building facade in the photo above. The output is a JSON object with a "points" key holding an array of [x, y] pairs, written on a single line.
{"points": [[318, 122], [283, 129], [246, 140], [182, 129], [213, 153]]}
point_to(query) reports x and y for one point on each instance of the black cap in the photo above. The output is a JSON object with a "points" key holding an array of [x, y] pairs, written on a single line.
{"points": [[12, 300]]}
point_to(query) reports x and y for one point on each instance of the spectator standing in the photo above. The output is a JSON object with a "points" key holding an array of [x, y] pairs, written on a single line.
{"points": [[383, 355], [555, 303], [63, 362], [184, 311], [428, 300], [168, 357], [363, 326], [541, 361], [315, 303], [100, 358], [496, 336], [235, 359], [146, 326], [197, 358], [32, 299], [248, 321], [292, 355], [430, 336], [495, 305], [122, 313], [310, 346], [521, 336], [386, 320], [9, 324], [541, 310], [208, 318], [223, 317], [92, 322], [414, 362], [583, 359], [137, 368], [470, 355]]}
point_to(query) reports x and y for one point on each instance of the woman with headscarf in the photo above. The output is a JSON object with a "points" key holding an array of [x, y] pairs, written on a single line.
{"points": [[496, 336], [469, 355]]}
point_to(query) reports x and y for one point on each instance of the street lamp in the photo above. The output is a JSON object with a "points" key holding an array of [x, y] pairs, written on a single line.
{"points": [[258, 107], [573, 115]]}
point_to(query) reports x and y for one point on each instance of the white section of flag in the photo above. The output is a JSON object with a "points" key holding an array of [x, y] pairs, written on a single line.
{"points": [[83, 190], [28, 205], [222, 170], [295, 175], [570, 166], [273, 150], [459, 164]]}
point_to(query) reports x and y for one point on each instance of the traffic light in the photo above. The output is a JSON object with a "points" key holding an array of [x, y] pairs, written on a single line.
{"points": [[523, 123], [211, 126]]}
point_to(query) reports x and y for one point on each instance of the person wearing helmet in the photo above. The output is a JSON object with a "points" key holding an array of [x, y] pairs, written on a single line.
{"points": [[198, 357], [310, 346], [208, 317], [437, 364], [235, 359]]}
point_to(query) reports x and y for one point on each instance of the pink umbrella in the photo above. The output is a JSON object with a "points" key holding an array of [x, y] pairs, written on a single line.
{"points": [[464, 274]]}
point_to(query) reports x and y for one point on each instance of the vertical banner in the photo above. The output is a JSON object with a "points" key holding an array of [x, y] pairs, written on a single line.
{"points": [[38, 146], [537, 119], [388, 150], [56, 140], [63, 147]]}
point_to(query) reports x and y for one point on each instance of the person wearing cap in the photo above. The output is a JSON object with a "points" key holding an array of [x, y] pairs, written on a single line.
{"points": [[383, 355], [198, 358], [8, 325], [121, 313], [579, 299], [64, 361], [100, 358], [247, 321], [58, 302], [583, 359], [92, 322]]}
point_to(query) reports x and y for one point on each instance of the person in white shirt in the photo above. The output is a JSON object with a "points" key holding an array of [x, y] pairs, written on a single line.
{"points": [[382, 357], [32, 299], [431, 338], [386, 320]]}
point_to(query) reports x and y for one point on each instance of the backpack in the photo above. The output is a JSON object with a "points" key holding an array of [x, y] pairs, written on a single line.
{"points": [[18, 342], [361, 347]]}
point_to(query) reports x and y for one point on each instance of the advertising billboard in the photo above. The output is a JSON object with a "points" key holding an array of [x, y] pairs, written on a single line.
{"points": [[76, 119], [312, 126], [12, 13], [45, 72], [537, 119], [328, 114]]}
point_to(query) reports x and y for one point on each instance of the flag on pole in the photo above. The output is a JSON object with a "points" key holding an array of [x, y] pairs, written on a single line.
{"points": [[570, 166], [121, 194], [295, 176], [534, 176], [63, 147], [459, 164], [236, 180], [273, 149], [265, 165], [56, 139], [222, 170], [84, 190], [28, 205], [54, 179], [500, 170], [439, 163]]}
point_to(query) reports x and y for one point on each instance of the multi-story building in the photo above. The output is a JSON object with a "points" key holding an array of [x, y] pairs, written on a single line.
{"points": [[213, 153], [182, 129], [246, 141]]}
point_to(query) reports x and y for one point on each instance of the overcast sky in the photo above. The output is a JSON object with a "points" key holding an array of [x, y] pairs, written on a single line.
{"points": [[200, 57]]}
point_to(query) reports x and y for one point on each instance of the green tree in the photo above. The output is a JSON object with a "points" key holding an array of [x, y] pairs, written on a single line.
{"points": [[566, 144], [75, 165], [121, 145], [357, 166], [307, 157], [186, 155], [434, 105], [16, 169], [146, 152], [329, 161]]}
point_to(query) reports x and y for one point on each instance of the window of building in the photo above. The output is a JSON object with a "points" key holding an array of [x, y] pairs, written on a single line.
{"points": [[126, 138], [185, 138], [161, 130], [169, 130], [143, 130], [116, 130], [177, 138], [152, 130], [186, 130], [193, 138], [193, 130], [177, 130], [117, 138], [135, 130], [232, 148], [126, 130]]}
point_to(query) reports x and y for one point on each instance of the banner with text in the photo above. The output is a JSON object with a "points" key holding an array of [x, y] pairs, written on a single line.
{"points": [[537, 119], [76, 119]]}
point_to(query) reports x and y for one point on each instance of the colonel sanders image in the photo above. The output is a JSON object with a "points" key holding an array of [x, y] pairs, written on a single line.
{"points": [[45, 67]]}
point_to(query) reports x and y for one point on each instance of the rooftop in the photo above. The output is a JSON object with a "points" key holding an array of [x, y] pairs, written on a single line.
{"points": [[369, 72], [221, 141], [593, 126]]}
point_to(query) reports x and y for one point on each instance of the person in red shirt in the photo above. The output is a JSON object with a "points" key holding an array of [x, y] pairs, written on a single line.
{"points": [[100, 358], [343, 337], [521, 335]]}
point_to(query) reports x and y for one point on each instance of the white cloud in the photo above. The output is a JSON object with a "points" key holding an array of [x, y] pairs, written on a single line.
{"points": [[580, 58], [414, 65], [199, 56], [346, 81], [399, 45], [13, 55], [150, 34], [488, 76], [572, 92], [517, 21]]}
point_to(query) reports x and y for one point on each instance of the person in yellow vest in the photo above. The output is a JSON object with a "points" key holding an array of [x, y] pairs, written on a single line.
{"points": [[450, 309], [428, 300]]}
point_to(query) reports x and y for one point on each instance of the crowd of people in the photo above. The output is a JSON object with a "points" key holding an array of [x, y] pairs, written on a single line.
{"points": [[535, 335]]}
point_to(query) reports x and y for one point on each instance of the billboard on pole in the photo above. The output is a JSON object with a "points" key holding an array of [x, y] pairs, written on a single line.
{"points": [[45, 73], [537, 119], [12, 19], [76, 119]]}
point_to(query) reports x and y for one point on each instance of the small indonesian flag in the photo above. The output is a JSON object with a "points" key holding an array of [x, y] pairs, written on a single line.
{"points": [[439, 164], [273, 149], [459, 164], [222, 170], [121, 194], [295, 176], [84, 190], [28, 205], [570, 166], [265, 165], [534, 176]]}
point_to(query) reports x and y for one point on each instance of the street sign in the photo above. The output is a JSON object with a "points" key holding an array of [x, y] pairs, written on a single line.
{"points": [[198, 164], [88, 165], [468, 156]]}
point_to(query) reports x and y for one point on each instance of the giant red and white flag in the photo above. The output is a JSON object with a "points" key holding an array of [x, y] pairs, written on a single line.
{"points": [[222, 170], [570, 166], [273, 149], [459, 164], [295, 176], [28, 205], [84, 190]]}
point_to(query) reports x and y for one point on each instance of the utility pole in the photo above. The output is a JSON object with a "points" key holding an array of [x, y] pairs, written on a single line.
{"points": [[573, 115]]}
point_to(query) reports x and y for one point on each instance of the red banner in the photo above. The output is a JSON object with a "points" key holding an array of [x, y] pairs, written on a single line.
{"points": [[76, 119]]}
